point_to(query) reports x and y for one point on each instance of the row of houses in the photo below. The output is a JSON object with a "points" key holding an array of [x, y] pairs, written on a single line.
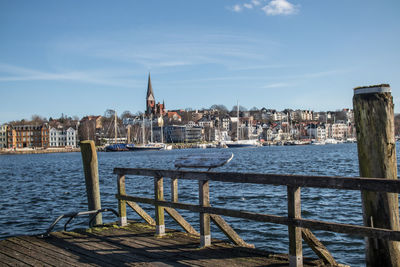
{"points": [[37, 136]]}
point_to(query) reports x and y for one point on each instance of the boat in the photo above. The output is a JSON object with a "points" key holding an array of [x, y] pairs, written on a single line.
{"points": [[241, 143], [146, 147], [116, 147], [149, 146], [331, 141]]}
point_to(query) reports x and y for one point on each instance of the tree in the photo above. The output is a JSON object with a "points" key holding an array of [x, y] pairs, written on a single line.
{"points": [[127, 114], [221, 108], [36, 119], [241, 108], [109, 113]]}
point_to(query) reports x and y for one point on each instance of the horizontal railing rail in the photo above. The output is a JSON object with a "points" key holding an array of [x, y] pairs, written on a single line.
{"points": [[331, 182], [297, 226]]}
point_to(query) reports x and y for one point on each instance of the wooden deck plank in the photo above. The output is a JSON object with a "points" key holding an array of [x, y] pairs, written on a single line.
{"points": [[115, 255], [37, 249], [22, 258], [134, 245], [44, 245]]}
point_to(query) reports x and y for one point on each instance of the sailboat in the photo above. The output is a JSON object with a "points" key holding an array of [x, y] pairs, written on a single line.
{"points": [[148, 146], [116, 146], [241, 143]]}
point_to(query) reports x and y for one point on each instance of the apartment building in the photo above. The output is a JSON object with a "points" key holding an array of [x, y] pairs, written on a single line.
{"points": [[22, 136], [3, 136], [61, 137]]}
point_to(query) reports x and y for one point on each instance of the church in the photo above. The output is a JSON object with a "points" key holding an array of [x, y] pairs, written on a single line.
{"points": [[157, 110]]}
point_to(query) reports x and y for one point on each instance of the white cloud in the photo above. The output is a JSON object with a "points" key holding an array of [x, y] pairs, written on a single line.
{"points": [[256, 2], [237, 8], [248, 6], [279, 7]]}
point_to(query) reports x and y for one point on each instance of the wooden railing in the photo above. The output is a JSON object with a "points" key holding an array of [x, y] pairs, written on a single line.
{"points": [[298, 227]]}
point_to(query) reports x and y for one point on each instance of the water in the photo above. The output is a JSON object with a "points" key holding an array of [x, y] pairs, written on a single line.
{"points": [[36, 189]]}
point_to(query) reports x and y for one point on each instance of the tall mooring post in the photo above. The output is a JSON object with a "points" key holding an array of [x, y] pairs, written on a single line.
{"points": [[374, 121], [91, 170]]}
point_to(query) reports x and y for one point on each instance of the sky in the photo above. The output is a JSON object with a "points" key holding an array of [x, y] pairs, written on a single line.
{"points": [[81, 58]]}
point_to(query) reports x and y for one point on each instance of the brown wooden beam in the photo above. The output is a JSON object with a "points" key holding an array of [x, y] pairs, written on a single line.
{"points": [[333, 182]]}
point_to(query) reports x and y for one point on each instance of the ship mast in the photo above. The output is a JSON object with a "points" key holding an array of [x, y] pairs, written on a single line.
{"points": [[115, 126]]}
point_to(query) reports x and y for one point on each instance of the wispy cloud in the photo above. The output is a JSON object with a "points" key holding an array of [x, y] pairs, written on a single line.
{"points": [[270, 8], [10, 73], [173, 49], [275, 85]]}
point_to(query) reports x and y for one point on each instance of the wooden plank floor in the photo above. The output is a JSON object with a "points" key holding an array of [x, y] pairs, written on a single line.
{"points": [[134, 245]]}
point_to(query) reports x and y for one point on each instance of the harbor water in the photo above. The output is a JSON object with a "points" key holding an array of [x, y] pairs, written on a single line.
{"points": [[36, 189]]}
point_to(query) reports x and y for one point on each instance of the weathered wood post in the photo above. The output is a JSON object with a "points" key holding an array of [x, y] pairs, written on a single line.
{"points": [[374, 121], [90, 168], [295, 239], [204, 201], [159, 195], [122, 203]]}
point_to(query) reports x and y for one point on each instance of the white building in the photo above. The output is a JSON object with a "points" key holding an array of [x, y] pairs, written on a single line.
{"points": [[3, 136], [338, 131], [317, 132], [63, 138]]}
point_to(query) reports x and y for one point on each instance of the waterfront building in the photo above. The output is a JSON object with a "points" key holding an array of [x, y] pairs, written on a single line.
{"points": [[28, 136], [317, 131], [157, 110], [339, 130], [3, 136], [60, 137]]}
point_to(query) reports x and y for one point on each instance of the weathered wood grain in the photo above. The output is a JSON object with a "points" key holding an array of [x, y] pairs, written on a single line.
{"points": [[91, 170], [181, 221], [143, 214], [320, 250], [374, 120], [333, 182], [229, 231], [303, 223]]}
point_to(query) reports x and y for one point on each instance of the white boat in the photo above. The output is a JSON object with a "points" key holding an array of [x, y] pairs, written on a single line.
{"points": [[318, 143], [331, 141], [241, 143]]}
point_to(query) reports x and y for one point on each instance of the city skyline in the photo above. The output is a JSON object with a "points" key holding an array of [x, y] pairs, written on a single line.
{"points": [[81, 58]]}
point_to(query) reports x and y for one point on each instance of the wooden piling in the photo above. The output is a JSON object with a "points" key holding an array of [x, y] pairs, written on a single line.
{"points": [[204, 201], [91, 170], [159, 195], [122, 203], [295, 239], [374, 121]]}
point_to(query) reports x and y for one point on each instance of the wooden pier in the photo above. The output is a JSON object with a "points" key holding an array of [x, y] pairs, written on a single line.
{"points": [[133, 245]]}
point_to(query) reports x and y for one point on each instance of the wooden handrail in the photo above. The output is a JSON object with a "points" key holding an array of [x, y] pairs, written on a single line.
{"points": [[295, 223], [332, 182]]}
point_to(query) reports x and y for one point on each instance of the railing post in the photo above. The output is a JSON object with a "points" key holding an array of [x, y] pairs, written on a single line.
{"points": [[91, 170], [204, 201], [174, 189], [374, 120], [159, 195], [295, 239], [122, 203]]}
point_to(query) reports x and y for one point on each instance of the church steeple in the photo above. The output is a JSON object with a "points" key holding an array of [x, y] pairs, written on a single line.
{"points": [[150, 100]]}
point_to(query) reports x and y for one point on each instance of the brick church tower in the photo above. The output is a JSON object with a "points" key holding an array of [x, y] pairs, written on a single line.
{"points": [[151, 107]]}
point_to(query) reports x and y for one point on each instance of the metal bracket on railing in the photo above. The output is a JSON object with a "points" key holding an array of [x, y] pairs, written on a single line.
{"points": [[72, 215]]}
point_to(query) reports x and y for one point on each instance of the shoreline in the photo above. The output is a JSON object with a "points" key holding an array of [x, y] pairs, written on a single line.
{"points": [[39, 151]]}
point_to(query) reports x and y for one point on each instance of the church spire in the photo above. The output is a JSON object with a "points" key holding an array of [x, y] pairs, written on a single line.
{"points": [[150, 100], [149, 89]]}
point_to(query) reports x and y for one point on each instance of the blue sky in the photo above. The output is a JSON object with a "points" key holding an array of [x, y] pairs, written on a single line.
{"points": [[83, 57]]}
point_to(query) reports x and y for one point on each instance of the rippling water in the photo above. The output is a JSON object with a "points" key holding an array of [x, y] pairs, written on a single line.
{"points": [[36, 189]]}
